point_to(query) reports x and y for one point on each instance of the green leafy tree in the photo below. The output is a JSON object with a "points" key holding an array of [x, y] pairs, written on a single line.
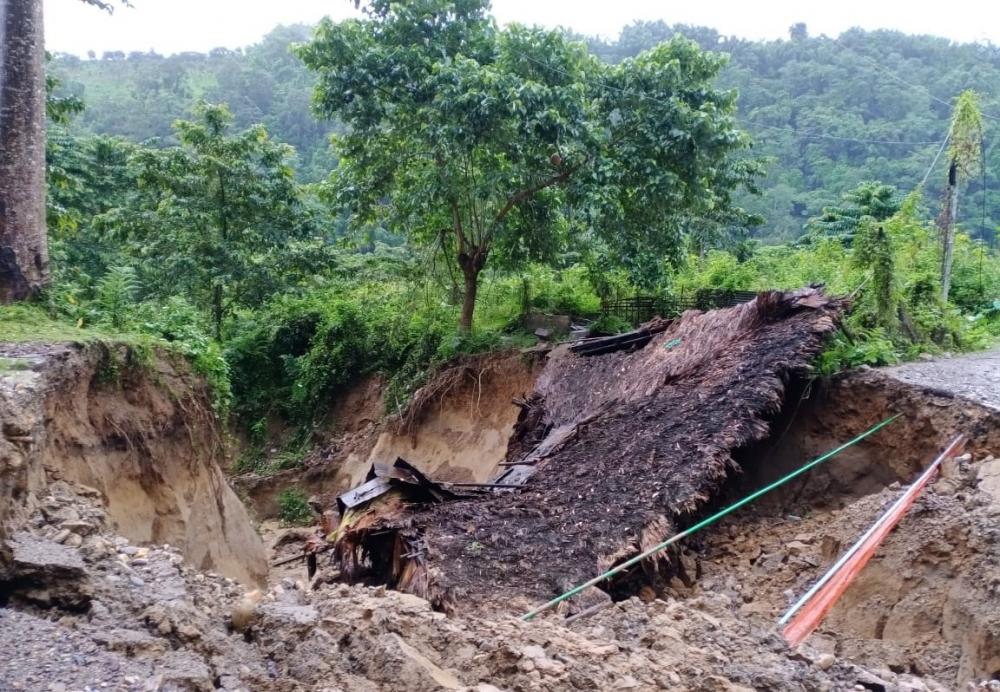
{"points": [[59, 109], [871, 200], [480, 139], [209, 218], [86, 176]]}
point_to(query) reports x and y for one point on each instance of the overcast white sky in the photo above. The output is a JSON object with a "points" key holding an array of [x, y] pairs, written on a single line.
{"points": [[170, 26]]}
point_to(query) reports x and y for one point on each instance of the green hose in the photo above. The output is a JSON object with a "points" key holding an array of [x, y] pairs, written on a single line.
{"points": [[705, 522]]}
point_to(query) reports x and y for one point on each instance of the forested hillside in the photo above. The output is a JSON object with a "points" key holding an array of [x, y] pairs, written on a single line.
{"points": [[834, 112], [828, 113], [140, 95]]}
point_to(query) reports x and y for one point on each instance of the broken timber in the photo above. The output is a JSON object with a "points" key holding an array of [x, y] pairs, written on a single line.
{"points": [[637, 338], [302, 556]]}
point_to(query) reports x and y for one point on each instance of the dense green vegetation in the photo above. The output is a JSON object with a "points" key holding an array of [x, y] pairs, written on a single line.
{"points": [[285, 269], [828, 113], [140, 95], [831, 113], [894, 267]]}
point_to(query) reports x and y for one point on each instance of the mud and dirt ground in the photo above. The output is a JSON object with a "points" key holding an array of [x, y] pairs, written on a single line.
{"points": [[154, 624], [928, 604], [88, 609]]}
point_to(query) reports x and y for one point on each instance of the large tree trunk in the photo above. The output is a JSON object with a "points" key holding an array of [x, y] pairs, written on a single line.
{"points": [[471, 265], [469, 302], [948, 230], [24, 257]]}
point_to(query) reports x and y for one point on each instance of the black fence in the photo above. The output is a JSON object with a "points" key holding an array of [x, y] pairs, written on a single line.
{"points": [[638, 309]]}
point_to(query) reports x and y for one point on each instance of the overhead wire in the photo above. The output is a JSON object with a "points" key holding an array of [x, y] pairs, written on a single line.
{"points": [[944, 143], [921, 87], [814, 135]]}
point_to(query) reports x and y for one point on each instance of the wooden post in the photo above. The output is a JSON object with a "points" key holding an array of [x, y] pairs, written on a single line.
{"points": [[948, 230]]}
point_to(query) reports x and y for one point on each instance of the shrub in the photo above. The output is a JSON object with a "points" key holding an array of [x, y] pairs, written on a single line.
{"points": [[898, 312], [865, 347], [293, 508], [116, 293], [291, 358], [183, 328]]}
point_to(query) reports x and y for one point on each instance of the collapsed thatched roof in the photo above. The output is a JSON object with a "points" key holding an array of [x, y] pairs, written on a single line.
{"points": [[624, 443]]}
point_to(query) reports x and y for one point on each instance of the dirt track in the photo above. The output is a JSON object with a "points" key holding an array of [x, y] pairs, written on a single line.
{"points": [[974, 376]]}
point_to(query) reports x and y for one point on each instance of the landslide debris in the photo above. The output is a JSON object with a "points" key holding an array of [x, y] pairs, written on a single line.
{"points": [[623, 445], [143, 620], [155, 624]]}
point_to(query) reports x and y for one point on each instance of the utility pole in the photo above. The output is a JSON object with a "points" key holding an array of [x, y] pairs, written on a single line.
{"points": [[949, 215], [965, 152]]}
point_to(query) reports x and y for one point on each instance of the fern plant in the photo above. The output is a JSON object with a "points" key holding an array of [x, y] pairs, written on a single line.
{"points": [[116, 293]]}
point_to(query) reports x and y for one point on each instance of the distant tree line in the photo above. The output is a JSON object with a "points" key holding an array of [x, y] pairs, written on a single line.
{"points": [[807, 100]]}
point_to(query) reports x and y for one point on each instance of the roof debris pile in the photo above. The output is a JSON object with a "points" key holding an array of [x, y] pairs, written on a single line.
{"points": [[376, 538], [621, 438]]}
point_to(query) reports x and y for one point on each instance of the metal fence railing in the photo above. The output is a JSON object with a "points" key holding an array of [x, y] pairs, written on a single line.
{"points": [[638, 309]]}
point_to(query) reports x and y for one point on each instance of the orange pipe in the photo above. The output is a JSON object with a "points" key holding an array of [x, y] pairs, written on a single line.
{"points": [[814, 610]]}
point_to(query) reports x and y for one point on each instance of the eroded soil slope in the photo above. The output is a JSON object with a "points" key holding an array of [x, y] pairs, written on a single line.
{"points": [[456, 429], [835, 409], [141, 435]]}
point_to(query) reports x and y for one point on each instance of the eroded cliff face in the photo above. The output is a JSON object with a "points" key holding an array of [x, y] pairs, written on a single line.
{"points": [[141, 434], [457, 429]]}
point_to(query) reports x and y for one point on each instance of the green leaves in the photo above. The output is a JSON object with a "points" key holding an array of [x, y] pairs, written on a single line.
{"points": [[116, 294], [871, 200], [966, 141], [212, 218], [518, 141]]}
